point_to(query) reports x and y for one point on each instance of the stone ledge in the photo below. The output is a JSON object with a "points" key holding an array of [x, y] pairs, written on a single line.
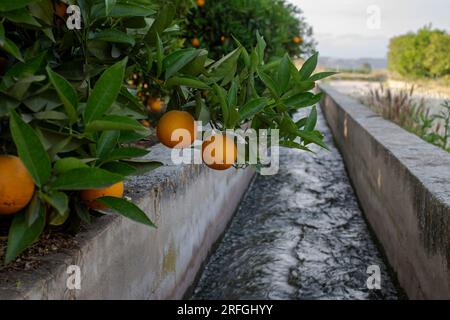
{"points": [[403, 185], [120, 259]]}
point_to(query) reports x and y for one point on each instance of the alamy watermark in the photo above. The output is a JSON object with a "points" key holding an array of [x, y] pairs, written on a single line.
{"points": [[374, 280], [73, 281], [73, 21], [373, 21]]}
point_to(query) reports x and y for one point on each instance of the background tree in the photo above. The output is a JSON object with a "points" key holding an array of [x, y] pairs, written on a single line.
{"points": [[214, 24], [420, 55]]}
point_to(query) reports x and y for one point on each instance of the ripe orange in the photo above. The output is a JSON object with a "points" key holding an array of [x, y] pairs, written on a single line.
{"points": [[219, 152], [297, 40], [89, 196], [60, 9], [195, 43], [222, 39], [201, 3], [168, 125], [16, 185], [154, 104], [145, 123]]}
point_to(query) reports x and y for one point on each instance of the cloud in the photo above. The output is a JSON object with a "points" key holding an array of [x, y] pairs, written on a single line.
{"points": [[352, 45], [341, 26]]}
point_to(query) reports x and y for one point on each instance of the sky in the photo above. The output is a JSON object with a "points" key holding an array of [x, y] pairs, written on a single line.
{"points": [[362, 28]]}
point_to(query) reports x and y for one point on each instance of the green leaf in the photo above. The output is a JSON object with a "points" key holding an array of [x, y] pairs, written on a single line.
{"points": [[124, 8], [33, 209], [125, 153], [21, 16], [201, 111], [311, 120], [196, 66], [2, 35], [109, 5], [66, 93], [283, 74], [261, 47], [177, 60], [113, 36], [30, 149], [12, 49], [50, 115], [187, 82], [67, 164], [225, 68], [29, 68], [269, 83], [299, 87], [85, 178], [120, 168], [161, 23], [58, 200], [21, 235], [252, 107], [294, 145], [107, 142], [114, 122], [105, 92], [43, 10], [131, 102], [126, 209], [302, 100], [8, 5], [159, 55], [232, 94], [143, 165], [309, 137], [57, 219], [223, 102], [308, 67], [321, 75], [82, 211]]}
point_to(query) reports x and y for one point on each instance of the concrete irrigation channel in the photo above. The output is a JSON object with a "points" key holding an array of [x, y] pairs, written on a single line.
{"points": [[299, 234]]}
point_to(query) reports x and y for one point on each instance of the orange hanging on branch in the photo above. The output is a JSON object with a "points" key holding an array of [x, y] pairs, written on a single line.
{"points": [[176, 129], [219, 152], [16, 185], [297, 40], [154, 104], [195, 42], [89, 197]]}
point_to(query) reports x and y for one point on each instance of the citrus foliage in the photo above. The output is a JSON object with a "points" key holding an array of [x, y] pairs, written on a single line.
{"points": [[72, 101], [216, 22]]}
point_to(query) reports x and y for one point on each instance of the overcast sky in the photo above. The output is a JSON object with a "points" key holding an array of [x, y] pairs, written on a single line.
{"points": [[344, 28]]}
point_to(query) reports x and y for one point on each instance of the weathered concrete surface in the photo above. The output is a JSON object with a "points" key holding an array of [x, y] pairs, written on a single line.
{"points": [[120, 259], [403, 185]]}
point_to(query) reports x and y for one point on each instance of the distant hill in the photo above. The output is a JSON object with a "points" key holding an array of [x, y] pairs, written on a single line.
{"points": [[339, 63]]}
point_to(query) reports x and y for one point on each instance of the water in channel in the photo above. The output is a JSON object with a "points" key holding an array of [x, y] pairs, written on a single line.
{"points": [[299, 234]]}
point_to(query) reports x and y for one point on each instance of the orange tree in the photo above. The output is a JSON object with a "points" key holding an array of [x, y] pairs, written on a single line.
{"points": [[212, 24], [70, 103]]}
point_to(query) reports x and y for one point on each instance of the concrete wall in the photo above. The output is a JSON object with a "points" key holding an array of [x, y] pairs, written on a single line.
{"points": [[403, 185], [120, 259]]}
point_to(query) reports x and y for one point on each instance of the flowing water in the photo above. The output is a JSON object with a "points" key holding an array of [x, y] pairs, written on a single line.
{"points": [[297, 235]]}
